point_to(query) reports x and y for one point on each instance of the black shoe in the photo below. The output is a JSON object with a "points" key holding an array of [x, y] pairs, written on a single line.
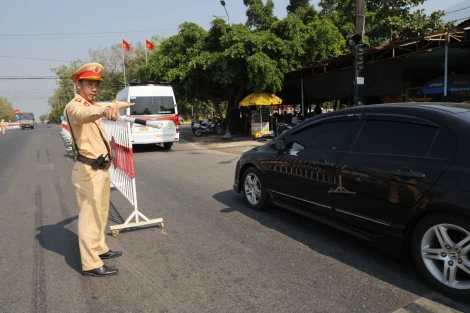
{"points": [[110, 254], [103, 271]]}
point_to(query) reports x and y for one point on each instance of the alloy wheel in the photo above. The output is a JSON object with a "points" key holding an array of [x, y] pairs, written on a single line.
{"points": [[252, 188], [445, 252]]}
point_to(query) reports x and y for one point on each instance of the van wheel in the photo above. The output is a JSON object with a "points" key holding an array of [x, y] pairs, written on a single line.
{"points": [[441, 250], [167, 145]]}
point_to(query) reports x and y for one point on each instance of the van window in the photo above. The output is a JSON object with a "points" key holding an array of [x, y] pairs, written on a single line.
{"points": [[152, 105]]}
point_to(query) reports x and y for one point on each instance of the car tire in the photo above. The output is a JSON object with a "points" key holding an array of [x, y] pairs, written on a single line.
{"points": [[167, 145], [441, 249], [254, 189]]}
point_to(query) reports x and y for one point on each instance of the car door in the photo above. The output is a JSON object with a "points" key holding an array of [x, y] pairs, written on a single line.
{"points": [[393, 164], [304, 172]]}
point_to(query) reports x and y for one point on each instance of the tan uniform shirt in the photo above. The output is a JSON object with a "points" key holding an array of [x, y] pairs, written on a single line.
{"points": [[3, 125], [85, 121]]}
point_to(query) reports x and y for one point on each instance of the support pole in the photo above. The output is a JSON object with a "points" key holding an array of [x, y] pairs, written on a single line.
{"points": [[446, 64], [359, 51], [123, 64], [302, 91]]}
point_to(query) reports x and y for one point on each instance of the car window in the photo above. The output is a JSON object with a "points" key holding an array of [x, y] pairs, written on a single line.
{"points": [[332, 136], [395, 138], [444, 145]]}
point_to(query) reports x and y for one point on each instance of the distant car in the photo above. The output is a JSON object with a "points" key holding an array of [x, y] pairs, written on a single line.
{"points": [[397, 176]]}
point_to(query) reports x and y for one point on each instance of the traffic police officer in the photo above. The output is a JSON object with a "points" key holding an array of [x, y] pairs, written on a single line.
{"points": [[3, 126], [90, 176]]}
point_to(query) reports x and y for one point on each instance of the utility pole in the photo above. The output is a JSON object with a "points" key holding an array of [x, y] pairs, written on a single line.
{"points": [[359, 53], [227, 118], [356, 43]]}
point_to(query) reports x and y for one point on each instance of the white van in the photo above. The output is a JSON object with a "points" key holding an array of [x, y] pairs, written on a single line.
{"points": [[155, 102]]}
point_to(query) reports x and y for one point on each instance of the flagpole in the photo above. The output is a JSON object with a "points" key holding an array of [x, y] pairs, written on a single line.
{"points": [[123, 63], [146, 59]]}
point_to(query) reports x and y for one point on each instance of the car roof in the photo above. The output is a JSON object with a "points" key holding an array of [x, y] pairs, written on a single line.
{"points": [[454, 108], [451, 114]]}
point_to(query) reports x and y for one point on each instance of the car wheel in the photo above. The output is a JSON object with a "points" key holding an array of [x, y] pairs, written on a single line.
{"points": [[167, 145], [441, 249], [254, 189]]}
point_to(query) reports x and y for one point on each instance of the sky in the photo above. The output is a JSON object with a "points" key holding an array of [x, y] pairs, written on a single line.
{"points": [[60, 31]]}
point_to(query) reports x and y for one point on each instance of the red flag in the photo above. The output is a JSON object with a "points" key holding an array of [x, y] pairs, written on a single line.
{"points": [[149, 45], [126, 45]]}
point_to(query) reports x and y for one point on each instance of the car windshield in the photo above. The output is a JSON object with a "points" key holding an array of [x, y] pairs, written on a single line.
{"points": [[152, 105], [27, 116]]}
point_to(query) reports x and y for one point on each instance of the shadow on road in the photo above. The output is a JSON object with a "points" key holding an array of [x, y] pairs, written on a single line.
{"points": [[150, 148], [58, 239], [114, 215], [337, 245]]}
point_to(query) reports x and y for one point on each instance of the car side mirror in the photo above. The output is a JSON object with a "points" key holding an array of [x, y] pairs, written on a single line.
{"points": [[279, 144]]}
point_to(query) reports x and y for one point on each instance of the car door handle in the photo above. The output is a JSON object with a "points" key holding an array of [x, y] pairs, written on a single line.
{"points": [[408, 172], [323, 162]]}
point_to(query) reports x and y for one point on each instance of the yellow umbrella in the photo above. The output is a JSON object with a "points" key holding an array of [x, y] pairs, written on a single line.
{"points": [[261, 98]]}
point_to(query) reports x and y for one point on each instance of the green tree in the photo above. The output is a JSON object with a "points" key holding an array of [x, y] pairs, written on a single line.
{"points": [[296, 4], [386, 20], [260, 16], [303, 9], [228, 62], [6, 110], [44, 117]]}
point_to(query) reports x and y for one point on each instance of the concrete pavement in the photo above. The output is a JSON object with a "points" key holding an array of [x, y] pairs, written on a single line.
{"points": [[236, 145]]}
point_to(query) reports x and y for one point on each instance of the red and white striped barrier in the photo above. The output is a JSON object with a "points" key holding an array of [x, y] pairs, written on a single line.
{"points": [[13, 125], [122, 172], [67, 137]]}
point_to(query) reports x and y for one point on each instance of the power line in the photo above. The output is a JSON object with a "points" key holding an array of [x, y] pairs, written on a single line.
{"points": [[25, 58], [452, 12], [461, 19], [86, 34], [22, 78]]}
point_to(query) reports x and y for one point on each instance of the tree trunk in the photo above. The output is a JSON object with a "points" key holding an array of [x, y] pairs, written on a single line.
{"points": [[235, 97]]}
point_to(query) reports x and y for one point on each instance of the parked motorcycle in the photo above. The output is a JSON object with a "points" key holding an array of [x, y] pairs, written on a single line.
{"points": [[210, 126]]}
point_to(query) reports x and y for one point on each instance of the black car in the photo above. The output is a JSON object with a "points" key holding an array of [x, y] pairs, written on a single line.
{"points": [[397, 176]]}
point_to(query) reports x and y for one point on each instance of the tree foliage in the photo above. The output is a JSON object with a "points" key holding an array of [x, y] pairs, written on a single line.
{"points": [[386, 20], [214, 69], [43, 117], [260, 16], [6, 110], [228, 62]]}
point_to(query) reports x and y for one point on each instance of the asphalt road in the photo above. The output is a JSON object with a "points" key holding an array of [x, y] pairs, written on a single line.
{"points": [[214, 254]]}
